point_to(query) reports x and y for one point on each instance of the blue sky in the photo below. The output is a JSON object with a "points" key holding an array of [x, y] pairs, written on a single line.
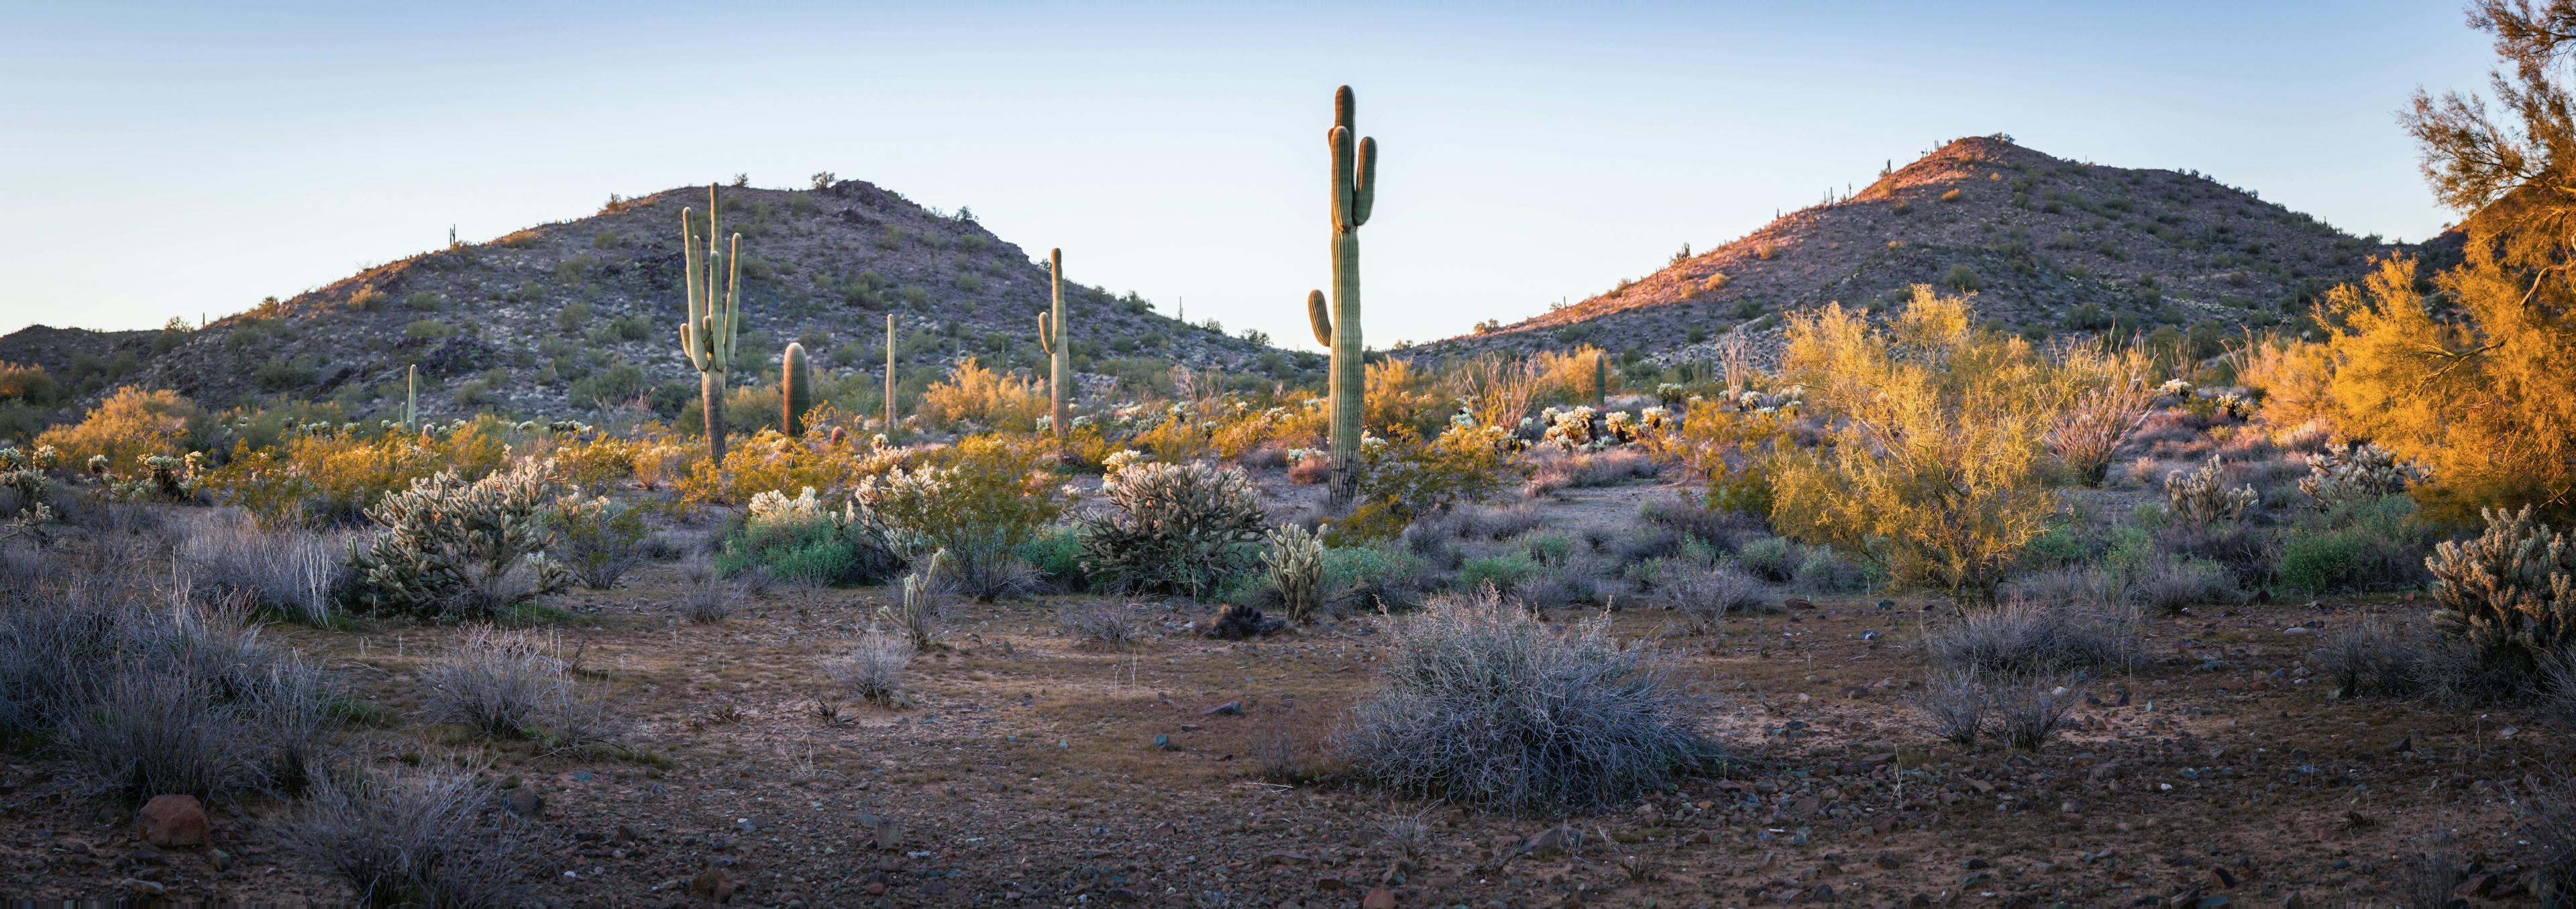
{"points": [[178, 159]]}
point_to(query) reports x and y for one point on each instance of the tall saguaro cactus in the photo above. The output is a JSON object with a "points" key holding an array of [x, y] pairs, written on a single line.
{"points": [[795, 388], [1354, 190], [889, 424], [714, 322], [411, 397], [1051, 338]]}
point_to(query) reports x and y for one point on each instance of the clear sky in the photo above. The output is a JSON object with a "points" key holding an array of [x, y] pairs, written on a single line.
{"points": [[187, 158]]}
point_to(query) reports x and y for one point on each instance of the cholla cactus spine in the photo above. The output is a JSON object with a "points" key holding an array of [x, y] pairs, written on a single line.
{"points": [[714, 323], [1354, 193], [795, 388]]}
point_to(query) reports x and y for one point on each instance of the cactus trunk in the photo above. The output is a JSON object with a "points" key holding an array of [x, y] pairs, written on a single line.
{"points": [[1051, 338], [889, 393], [1601, 381], [711, 400], [795, 388], [1353, 192], [411, 396]]}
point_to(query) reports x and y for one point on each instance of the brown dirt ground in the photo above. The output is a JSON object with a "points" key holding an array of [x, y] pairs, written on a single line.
{"points": [[1024, 773]]}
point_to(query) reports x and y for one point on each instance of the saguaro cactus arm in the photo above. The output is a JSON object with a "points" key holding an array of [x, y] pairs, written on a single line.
{"points": [[1320, 315], [1046, 338]]}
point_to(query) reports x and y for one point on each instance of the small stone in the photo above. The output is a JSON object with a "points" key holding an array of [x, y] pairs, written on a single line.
{"points": [[1229, 708], [1165, 743], [1378, 898], [525, 802], [714, 884], [220, 859], [1888, 859], [172, 821]]}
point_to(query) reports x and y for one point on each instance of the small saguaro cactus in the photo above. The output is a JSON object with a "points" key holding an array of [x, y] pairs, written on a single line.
{"points": [[411, 397], [1059, 355], [1337, 327], [713, 322], [1601, 381], [889, 424], [795, 388]]}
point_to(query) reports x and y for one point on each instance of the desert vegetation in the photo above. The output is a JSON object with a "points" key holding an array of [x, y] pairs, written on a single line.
{"points": [[2094, 617]]}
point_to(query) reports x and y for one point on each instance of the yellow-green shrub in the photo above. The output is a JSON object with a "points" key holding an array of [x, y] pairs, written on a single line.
{"points": [[131, 423], [973, 395]]}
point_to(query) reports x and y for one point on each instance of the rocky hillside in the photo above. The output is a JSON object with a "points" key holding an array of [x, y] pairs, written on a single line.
{"points": [[2049, 245], [553, 320]]}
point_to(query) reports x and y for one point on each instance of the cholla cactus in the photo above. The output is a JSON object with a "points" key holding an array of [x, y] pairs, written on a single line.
{"points": [[2180, 388], [1620, 425], [2345, 472], [456, 548], [1296, 563], [1656, 419], [24, 472], [164, 477], [923, 603], [2202, 497], [1568, 429], [1672, 394], [2511, 592], [1176, 528], [2235, 405], [1117, 463]]}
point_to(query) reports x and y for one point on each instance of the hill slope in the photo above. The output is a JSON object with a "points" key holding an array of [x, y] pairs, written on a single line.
{"points": [[2048, 244], [551, 320]]}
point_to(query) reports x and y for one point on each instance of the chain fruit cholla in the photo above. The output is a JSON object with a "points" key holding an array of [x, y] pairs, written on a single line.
{"points": [[1354, 189]]}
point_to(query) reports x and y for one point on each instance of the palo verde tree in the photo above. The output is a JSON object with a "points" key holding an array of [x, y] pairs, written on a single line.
{"points": [[2473, 374]]}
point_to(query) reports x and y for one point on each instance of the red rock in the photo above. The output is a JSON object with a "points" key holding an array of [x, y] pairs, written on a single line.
{"points": [[1378, 898], [714, 884], [170, 821]]}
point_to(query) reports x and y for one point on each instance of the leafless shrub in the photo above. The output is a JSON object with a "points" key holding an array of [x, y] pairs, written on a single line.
{"points": [[697, 569], [757, 580], [1723, 528], [2372, 655], [2548, 814], [2028, 636], [1407, 835], [707, 599], [1484, 704], [874, 669], [1496, 522], [1705, 597], [149, 729], [300, 572], [1552, 470], [430, 837], [2030, 708], [1954, 703], [2169, 585], [2074, 585], [496, 682], [1100, 623], [25, 572]]}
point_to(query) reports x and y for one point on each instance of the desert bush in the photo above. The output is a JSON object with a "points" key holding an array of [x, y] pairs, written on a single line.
{"points": [[706, 598], [1403, 478], [1495, 522], [803, 538], [1720, 527], [1056, 555], [2293, 377], [2372, 655], [1706, 597], [874, 668], [2030, 708], [975, 396], [450, 547], [2171, 584], [2355, 545], [299, 572], [1295, 560], [1954, 705], [2111, 396], [2201, 497], [1374, 576], [1729, 447], [2346, 472], [495, 682], [2247, 555], [1176, 528], [1553, 470], [1100, 623], [1483, 705], [428, 837], [2082, 585], [2031, 636], [599, 540], [26, 383], [1397, 399], [2510, 593], [981, 501], [1937, 472], [1502, 572], [128, 425]]}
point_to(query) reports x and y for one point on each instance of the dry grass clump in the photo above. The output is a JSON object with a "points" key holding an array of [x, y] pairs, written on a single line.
{"points": [[429, 837], [1101, 624], [299, 572], [874, 669], [1554, 470], [705, 598], [1954, 706], [509, 684], [1485, 705], [1706, 596], [2023, 636]]}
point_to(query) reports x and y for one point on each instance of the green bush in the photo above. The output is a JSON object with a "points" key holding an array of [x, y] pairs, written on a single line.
{"points": [[1057, 555], [800, 538], [2363, 544], [1506, 572]]}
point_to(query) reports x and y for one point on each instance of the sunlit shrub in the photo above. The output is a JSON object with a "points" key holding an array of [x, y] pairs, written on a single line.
{"points": [[1175, 528], [981, 500], [454, 547], [130, 424], [1402, 478], [975, 396]]}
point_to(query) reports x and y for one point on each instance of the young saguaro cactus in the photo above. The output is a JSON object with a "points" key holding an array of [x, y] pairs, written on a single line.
{"points": [[1354, 191], [1059, 355], [411, 397], [714, 322], [889, 394], [795, 388]]}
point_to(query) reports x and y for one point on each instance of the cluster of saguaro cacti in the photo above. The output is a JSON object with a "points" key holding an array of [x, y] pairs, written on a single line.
{"points": [[713, 321], [1059, 355], [1354, 189], [795, 388]]}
